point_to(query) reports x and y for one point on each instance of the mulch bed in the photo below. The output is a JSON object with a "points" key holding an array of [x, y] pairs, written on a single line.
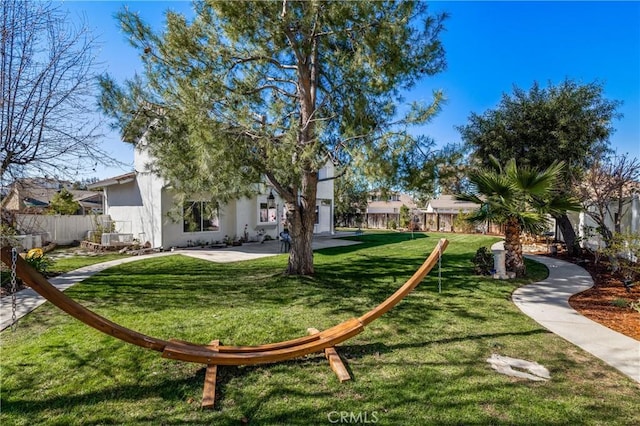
{"points": [[601, 303]]}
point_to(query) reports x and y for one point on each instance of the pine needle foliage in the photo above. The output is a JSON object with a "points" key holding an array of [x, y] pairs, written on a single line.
{"points": [[248, 90]]}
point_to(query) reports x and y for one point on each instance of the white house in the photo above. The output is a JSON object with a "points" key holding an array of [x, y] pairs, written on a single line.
{"points": [[144, 205], [629, 222]]}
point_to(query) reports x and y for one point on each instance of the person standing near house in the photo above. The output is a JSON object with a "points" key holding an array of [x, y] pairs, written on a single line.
{"points": [[285, 240]]}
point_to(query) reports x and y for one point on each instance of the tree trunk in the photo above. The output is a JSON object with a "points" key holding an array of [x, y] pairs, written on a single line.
{"points": [[513, 246], [302, 219], [568, 233]]}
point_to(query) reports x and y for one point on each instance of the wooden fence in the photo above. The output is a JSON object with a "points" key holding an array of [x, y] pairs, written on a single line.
{"points": [[60, 229]]}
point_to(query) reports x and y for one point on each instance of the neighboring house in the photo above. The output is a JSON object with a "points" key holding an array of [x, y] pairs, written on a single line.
{"points": [[142, 204], [384, 211], [441, 213], [33, 195]]}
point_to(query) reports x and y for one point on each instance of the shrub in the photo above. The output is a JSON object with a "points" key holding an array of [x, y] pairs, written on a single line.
{"points": [[63, 203], [624, 255], [620, 303], [36, 258], [462, 224], [483, 261], [100, 228]]}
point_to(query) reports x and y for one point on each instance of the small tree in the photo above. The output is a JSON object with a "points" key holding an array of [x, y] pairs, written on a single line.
{"points": [[462, 224], [405, 216], [350, 195], [606, 190], [624, 255], [63, 203]]}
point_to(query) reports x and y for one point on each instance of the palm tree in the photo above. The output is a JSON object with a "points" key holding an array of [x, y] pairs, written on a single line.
{"points": [[521, 199]]}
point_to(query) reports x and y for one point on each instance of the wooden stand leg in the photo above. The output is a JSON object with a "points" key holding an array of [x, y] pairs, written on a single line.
{"points": [[209, 391], [334, 360]]}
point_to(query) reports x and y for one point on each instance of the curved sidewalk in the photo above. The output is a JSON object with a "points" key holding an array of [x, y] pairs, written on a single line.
{"points": [[547, 302]]}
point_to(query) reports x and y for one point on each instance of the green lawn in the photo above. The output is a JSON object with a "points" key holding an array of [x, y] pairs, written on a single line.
{"points": [[422, 363], [66, 264]]}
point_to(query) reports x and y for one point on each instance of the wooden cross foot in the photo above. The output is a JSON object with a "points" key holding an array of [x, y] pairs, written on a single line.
{"points": [[210, 377], [334, 360]]}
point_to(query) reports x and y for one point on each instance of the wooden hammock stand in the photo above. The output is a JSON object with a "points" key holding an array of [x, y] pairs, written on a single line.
{"points": [[214, 353]]}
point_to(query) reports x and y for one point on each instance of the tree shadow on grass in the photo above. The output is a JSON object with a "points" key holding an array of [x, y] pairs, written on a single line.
{"points": [[366, 276], [35, 408], [373, 240]]}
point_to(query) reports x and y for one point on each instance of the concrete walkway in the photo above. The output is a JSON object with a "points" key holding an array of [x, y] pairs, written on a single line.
{"points": [[547, 302], [27, 300]]}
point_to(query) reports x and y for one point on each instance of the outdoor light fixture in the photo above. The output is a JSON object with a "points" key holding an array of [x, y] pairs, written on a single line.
{"points": [[271, 200]]}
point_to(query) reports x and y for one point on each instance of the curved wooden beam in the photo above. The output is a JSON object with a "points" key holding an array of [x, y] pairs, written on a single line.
{"points": [[221, 355], [47, 290]]}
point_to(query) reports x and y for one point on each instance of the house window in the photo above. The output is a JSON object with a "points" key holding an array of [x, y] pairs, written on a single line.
{"points": [[267, 215], [200, 216], [317, 215]]}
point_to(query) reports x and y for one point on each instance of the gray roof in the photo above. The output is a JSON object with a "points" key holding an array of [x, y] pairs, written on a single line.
{"points": [[38, 193], [127, 177], [448, 203]]}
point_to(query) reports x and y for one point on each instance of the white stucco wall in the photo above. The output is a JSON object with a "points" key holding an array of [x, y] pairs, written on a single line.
{"points": [[148, 209], [325, 187], [135, 208], [271, 228], [173, 234], [325, 218], [325, 199], [585, 225]]}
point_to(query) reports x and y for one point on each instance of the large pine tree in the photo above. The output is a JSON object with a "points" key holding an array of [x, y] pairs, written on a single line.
{"points": [[246, 90]]}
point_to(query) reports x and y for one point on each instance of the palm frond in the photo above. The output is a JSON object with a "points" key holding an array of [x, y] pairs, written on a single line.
{"points": [[560, 204], [536, 182], [491, 183], [522, 193], [534, 222]]}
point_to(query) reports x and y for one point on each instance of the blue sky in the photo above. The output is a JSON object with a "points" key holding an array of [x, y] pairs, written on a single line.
{"points": [[491, 46]]}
